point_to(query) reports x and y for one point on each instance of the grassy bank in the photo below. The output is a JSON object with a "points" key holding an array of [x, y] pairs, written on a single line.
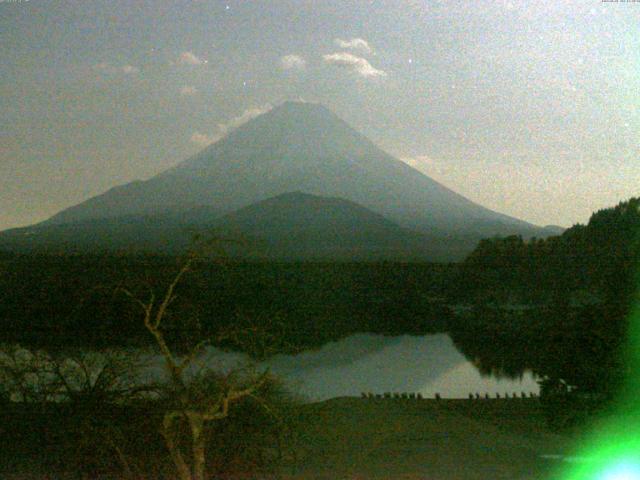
{"points": [[349, 438], [424, 439]]}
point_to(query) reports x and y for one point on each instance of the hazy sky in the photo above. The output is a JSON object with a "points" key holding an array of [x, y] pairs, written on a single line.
{"points": [[530, 108]]}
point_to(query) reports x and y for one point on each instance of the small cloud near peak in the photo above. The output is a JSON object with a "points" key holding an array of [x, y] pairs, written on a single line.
{"points": [[244, 117], [113, 69], [292, 62], [202, 139], [188, 90], [189, 58], [129, 69], [419, 161], [359, 65], [433, 168], [225, 128], [358, 44]]}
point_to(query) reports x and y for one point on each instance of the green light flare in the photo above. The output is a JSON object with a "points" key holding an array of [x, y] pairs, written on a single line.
{"points": [[612, 451]]}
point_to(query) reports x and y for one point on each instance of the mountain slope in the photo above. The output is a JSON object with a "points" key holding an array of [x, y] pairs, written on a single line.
{"points": [[168, 232], [300, 147], [291, 226], [302, 226]]}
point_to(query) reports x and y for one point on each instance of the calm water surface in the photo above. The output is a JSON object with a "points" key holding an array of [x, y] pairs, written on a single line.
{"points": [[368, 363], [372, 363], [427, 364]]}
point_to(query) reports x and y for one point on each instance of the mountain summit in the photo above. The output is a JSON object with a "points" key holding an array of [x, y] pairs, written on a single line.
{"points": [[300, 147]]}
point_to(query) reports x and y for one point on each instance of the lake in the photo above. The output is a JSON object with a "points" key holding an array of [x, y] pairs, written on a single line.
{"points": [[427, 364]]}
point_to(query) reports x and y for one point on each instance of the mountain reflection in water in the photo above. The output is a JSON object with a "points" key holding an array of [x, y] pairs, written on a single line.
{"points": [[427, 364]]}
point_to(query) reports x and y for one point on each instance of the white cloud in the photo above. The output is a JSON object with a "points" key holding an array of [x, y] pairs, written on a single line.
{"points": [[189, 58], [292, 62], [188, 90], [251, 113], [354, 44], [129, 69], [419, 162], [435, 169], [225, 128], [202, 139], [352, 62], [112, 69]]}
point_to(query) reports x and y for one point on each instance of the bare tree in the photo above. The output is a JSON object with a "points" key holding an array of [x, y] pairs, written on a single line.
{"points": [[70, 376], [194, 401], [25, 376], [84, 385]]}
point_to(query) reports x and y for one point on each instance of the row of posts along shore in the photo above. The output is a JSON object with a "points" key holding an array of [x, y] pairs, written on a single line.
{"points": [[437, 396]]}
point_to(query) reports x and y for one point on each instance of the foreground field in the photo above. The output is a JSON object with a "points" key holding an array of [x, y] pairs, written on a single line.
{"points": [[339, 439], [350, 438]]}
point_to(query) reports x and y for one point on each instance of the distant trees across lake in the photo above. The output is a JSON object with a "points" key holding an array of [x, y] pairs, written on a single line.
{"points": [[587, 263], [70, 300], [559, 306]]}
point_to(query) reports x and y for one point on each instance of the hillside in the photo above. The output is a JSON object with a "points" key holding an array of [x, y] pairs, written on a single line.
{"points": [[300, 226], [300, 147], [291, 226], [168, 232], [593, 261], [559, 307]]}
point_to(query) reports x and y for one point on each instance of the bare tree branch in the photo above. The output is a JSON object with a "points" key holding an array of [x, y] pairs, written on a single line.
{"points": [[194, 405]]}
